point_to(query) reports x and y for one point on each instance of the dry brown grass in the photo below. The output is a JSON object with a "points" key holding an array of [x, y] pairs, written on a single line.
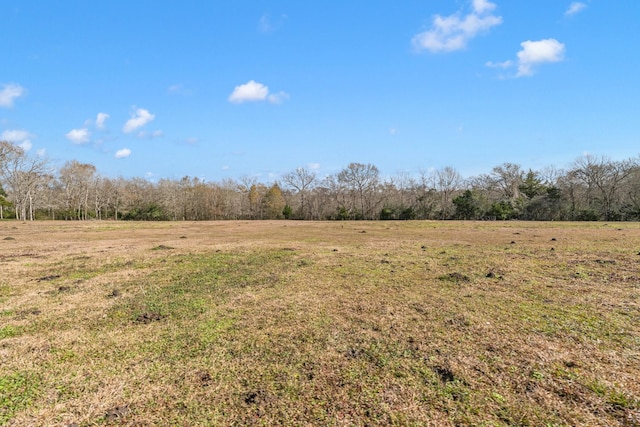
{"points": [[319, 323]]}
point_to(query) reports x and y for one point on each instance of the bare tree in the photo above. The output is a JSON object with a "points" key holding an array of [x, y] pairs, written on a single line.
{"points": [[322, 202], [603, 179], [362, 179], [508, 177], [550, 175], [118, 195], [447, 182], [230, 199], [631, 191], [76, 179], [24, 177], [247, 207], [100, 187], [425, 194], [485, 191], [302, 181], [402, 185]]}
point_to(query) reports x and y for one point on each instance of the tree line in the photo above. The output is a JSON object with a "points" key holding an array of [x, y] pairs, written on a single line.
{"points": [[591, 188]]}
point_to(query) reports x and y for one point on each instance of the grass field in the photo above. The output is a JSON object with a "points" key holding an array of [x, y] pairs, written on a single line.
{"points": [[319, 323]]}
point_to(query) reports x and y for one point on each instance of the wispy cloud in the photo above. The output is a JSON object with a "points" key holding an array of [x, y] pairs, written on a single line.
{"points": [[503, 64], [453, 32], [278, 98], [21, 138], [139, 118], [15, 135], [575, 7], [123, 153], [253, 91], [178, 89], [99, 122], [101, 119], [26, 145], [9, 93], [150, 135], [266, 25], [78, 136], [533, 53]]}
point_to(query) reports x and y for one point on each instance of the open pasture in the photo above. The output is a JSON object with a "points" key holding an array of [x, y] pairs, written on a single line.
{"points": [[319, 323]]}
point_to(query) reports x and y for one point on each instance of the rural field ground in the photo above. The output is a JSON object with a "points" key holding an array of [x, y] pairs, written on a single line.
{"points": [[319, 323]]}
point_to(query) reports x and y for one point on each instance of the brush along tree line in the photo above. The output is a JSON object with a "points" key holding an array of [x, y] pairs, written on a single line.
{"points": [[591, 188]]}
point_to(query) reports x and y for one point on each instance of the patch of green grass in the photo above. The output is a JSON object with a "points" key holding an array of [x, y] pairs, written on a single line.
{"points": [[9, 331], [17, 392], [621, 400], [162, 248], [614, 397], [64, 355], [5, 292], [85, 268], [211, 330]]}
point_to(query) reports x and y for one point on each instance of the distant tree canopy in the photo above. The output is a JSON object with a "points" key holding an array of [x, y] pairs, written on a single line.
{"points": [[591, 188]]}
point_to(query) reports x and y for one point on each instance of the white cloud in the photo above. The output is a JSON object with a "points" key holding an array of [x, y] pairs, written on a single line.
{"points": [[9, 93], [533, 53], [453, 32], [41, 152], [314, 166], [78, 136], [538, 52], [139, 118], [15, 135], [482, 6], [264, 25], [100, 119], [278, 98], [575, 7], [151, 135], [267, 26], [21, 138], [121, 154], [250, 91], [253, 91], [179, 89], [504, 64]]}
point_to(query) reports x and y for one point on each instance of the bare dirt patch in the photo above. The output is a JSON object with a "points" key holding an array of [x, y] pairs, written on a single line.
{"points": [[149, 317]]}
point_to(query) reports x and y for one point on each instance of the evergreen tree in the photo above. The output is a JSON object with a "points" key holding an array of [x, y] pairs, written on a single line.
{"points": [[467, 206]]}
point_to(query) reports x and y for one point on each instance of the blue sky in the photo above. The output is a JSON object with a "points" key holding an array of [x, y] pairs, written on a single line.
{"points": [[225, 89]]}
